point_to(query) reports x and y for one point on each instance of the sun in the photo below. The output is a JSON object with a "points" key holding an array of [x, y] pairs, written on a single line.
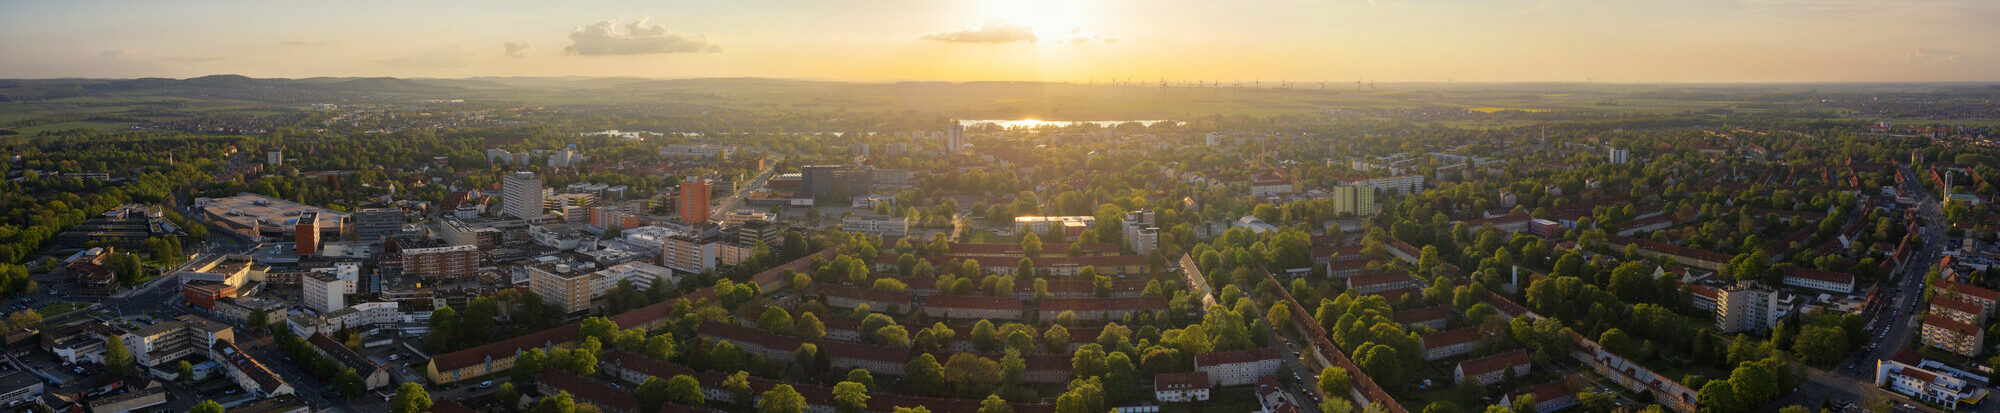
{"points": [[1051, 19]]}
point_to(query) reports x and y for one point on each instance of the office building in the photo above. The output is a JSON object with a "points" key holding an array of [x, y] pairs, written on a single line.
{"points": [[693, 202], [693, 252], [835, 182], [522, 195], [884, 226], [373, 224], [247, 372], [432, 260]]}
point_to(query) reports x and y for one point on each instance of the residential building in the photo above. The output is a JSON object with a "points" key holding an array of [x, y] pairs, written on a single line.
{"points": [[884, 226], [966, 307], [1355, 200], [1448, 344], [954, 138], [608, 217], [1955, 336], [436, 260], [1099, 308], [695, 151], [1380, 282], [1956, 309], [373, 376], [1620, 155], [1545, 228], [306, 236], [1829, 281], [1548, 397], [562, 286], [692, 252], [584, 390], [1491, 369], [890, 302], [1745, 306], [1433, 317], [1180, 387], [1985, 298], [693, 202], [1237, 368], [247, 372], [1072, 225], [521, 195], [558, 237], [1704, 297], [170, 340], [1142, 234], [643, 276], [322, 292]]}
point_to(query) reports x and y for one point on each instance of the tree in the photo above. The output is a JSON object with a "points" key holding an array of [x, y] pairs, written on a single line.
{"points": [[528, 364], [410, 398], [971, 375], [809, 327], [117, 356], [850, 397], [995, 404], [984, 336], [781, 399], [1335, 381], [1057, 339], [1441, 407], [862, 377], [443, 323], [775, 319], [1088, 361], [562, 402], [184, 371], [684, 390], [509, 396], [738, 387], [349, 384], [1031, 244], [1616, 342], [206, 406], [651, 394], [924, 376], [259, 319], [1121, 378]]}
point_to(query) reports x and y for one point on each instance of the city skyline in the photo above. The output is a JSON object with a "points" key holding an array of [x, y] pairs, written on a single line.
{"points": [[1082, 41]]}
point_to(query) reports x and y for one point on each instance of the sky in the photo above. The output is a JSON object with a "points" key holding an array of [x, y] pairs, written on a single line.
{"points": [[1024, 40]]}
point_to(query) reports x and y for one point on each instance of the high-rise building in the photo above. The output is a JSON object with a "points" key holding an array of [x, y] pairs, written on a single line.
{"points": [[1141, 234], [954, 139], [523, 195], [835, 182], [306, 234], [1746, 306], [275, 156], [693, 202], [693, 252], [1620, 156], [323, 292], [1355, 199], [562, 286]]}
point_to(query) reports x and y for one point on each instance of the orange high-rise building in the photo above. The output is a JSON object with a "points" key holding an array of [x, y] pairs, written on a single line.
{"points": [[694, 200]]}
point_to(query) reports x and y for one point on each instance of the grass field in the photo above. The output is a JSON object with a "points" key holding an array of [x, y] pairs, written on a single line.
{"points": [[60, 308]]}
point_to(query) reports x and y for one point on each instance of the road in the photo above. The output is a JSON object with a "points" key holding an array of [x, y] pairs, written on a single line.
{"points": [[1892, 323], [729, 203]]}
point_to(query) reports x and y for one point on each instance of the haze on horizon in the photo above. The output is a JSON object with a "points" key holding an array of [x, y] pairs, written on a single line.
{"points": [[1033, 40]]}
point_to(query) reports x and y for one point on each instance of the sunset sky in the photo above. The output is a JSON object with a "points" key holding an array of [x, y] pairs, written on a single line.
{"points": [[957, 40]]}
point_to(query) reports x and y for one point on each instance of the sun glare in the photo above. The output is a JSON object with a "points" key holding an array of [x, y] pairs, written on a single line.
{"points": [[1052, 20]]}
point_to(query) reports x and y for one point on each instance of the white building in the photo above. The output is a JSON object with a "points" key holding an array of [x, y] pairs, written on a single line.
{"points": [[954, 138], [1746, 306], [1141, 234], [1180, 387], [1214, 139], [323, 292], [1900, 375], [891, 227], [695, 151], [643, 276], [522, 195], [1620, 156], [1356, 200]]}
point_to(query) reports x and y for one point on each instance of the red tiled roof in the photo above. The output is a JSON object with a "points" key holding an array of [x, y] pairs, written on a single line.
{"points": [[1670, 249], [597, 392], [834, 348], [1015, 249], [1422, 315], [1180, 381], [1707, 292], [1957, 305], [865, 294], [1819, 275], [1948, 323], [1233, 357], [1970, 290], [1086, 304], [449, 406], [1493, 363], [1452, 337], [642, 364], [1379, 279], [1044, 261], [1081, 286], [974, 302], [1342, 252], [741, 334], [1552, 390], [504, 348], [1919, 374]]}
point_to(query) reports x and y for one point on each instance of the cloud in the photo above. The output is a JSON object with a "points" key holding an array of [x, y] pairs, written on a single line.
{"points": [[996, 31], [609, 37], [1929, 55], [518, 49]]}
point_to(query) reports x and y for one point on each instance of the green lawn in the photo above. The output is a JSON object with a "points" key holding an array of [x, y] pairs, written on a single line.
{"points": [[60, 308]]}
